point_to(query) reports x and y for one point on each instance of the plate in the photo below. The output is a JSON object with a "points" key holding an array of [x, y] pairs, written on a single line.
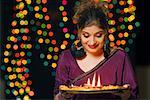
{"points": [[83, 90]]}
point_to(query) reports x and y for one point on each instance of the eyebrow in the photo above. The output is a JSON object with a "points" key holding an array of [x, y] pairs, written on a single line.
{"points": [[95, 32]]}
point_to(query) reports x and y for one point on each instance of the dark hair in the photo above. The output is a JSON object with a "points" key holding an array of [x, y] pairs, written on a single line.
{"points": [[90, 13], [92, 16]]}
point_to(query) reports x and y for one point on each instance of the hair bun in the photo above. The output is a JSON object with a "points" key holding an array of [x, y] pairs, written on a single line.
{"points": [[86, 4]]}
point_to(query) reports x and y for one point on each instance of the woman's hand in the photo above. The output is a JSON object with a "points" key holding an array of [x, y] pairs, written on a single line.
{"points": [[125, 94], [67, 95], [63, 96]]}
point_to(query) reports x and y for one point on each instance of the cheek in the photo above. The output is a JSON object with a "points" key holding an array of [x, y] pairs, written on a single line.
{"points": [[84, 40], [101, 40]]}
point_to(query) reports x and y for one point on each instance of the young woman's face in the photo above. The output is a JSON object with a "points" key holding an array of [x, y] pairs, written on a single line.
{"points": [[92, 39]]}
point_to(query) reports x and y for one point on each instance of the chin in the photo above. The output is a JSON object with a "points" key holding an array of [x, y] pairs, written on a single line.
{"points": [[93, 51]]}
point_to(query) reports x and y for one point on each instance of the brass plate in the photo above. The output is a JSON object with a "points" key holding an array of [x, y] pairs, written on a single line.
{"points": [[92, 91]]}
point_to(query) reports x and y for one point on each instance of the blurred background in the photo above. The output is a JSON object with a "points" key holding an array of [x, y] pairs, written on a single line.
{"points": [[33, 34]]}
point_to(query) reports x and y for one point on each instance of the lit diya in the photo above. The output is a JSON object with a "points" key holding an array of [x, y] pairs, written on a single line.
{"points": [[94, 87]]}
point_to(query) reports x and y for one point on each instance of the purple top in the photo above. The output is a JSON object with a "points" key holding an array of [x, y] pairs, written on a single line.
{"points": [[116, 69]]}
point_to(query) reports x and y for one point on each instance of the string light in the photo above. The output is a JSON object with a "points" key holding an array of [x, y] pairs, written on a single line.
{"points": [[18, 47]]}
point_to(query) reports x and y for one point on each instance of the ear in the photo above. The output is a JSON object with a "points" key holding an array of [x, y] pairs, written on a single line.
{"points": [[106, 37], [79, 34]]}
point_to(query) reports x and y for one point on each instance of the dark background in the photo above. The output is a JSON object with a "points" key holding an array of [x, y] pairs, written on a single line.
{"points": [[143, 38], [42, 86], [142, 47]]}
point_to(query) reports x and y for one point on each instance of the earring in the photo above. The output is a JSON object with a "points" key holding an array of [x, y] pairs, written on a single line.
{"points": [[106, 49], [77, 49]]}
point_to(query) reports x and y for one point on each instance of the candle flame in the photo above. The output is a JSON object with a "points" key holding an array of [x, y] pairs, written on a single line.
{"points": [[88, 82], [71, 85], [93, 81], [99, 81]]}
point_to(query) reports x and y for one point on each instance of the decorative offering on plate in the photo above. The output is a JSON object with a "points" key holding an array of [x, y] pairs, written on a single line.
{"points": [[92, 87], [109, 87], [91, 90]]}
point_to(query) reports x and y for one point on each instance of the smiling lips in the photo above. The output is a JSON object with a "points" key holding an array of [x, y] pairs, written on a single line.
{"points": [[92, 46]]}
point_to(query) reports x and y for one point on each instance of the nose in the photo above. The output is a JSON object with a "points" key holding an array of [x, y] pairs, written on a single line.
{"points": [[92, 40]]}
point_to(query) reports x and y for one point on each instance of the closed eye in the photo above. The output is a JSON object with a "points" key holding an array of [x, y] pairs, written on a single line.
{"points": [[98, 35], [86, 35]]}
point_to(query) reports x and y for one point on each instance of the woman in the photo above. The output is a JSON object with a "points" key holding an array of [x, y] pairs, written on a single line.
{"points": [[90, 55]]}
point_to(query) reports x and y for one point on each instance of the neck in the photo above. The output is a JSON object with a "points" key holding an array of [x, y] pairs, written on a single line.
{"points": [[97, 55]]}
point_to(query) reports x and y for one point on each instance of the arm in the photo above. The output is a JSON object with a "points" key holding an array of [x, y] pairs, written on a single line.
{"points": [[61, 75], [59, 97], [56, 97], [129, 77]]}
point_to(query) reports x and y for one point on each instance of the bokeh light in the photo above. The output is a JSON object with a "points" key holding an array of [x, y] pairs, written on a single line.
{"points": [[36, 28]]}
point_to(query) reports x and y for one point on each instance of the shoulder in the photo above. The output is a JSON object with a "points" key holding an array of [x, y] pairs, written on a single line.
{"points": [[118, 51], [66, 53], [66, 58]]}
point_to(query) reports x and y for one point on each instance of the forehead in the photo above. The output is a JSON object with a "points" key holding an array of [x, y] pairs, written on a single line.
{"points": [[92, 29]]}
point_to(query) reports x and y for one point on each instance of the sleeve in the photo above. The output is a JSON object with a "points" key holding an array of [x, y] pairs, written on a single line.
{"points": [[61, 73], [129, 78]]}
